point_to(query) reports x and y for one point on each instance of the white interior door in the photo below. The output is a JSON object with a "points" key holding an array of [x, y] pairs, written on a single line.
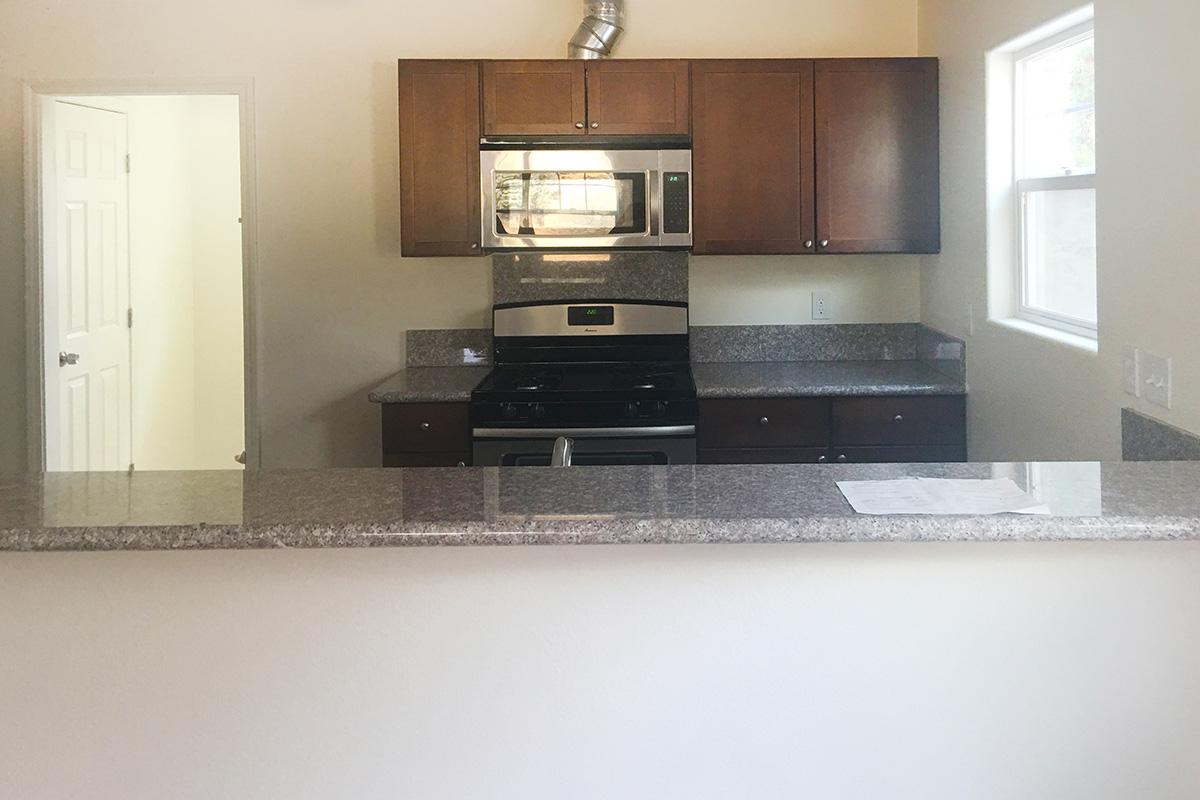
{"points": [[86, 288]]}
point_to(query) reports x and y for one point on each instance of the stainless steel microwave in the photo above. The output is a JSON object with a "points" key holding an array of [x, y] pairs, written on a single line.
{"points": [[567, 196]]}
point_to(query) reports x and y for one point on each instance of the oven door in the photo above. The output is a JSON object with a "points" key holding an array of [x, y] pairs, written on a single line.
{"points": [[535, 452], [577, 198]]}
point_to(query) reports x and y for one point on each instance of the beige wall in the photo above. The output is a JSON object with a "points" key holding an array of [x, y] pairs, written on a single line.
{"points": [[1034, 399], [335, 297]]}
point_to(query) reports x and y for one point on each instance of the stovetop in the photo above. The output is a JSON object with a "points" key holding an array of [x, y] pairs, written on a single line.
{"points": [[550, 382]]}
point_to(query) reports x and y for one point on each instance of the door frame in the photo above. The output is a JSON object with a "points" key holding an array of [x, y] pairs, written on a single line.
{"points": [[34, 92]]}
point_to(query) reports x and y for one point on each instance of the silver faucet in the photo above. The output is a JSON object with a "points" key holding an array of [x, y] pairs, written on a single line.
{"points": [[563, 447]]}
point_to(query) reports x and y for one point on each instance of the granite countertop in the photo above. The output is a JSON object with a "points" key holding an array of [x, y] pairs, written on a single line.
{"points": [[578, 505], [822, 379], [429, 385]]}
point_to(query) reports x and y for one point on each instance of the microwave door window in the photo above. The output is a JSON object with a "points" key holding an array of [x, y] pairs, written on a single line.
{"points": [[570, 204]]}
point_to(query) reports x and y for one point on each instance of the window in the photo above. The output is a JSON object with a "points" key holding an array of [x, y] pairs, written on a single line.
{"points": [[1054, 176]]}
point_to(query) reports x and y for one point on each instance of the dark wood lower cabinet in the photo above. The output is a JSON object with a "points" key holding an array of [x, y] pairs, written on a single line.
{"points": [[846, 430], [426, 435]]}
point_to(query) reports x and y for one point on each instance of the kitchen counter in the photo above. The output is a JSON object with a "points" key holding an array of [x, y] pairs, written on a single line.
{"points": [[822, 379], [429, 385], [578, 505]]}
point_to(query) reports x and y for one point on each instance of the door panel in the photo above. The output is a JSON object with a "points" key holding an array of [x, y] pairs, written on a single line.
{"points": [[631, 96], [753, 156], [877, 155], [534, 98], [88, 403], [439, 158]]}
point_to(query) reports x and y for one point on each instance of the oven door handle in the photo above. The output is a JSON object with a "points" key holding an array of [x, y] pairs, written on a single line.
{"points": [[584, 433]]}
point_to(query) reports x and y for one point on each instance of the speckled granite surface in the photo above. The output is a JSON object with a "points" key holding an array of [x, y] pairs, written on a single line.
{"points": [[1144, 438], [579, 505], [453, 347], [728, 343], [635, 275], [943, 352], [823, 379], [429, 385]]}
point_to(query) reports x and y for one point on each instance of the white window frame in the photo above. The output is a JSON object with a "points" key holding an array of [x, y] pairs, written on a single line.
{"points": [[1023, 187]]}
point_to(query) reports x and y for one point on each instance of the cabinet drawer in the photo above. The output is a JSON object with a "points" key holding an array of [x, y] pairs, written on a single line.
{"points": [[935, 454], [764, 422], [766, 455], [425, 428], [899, 421]]}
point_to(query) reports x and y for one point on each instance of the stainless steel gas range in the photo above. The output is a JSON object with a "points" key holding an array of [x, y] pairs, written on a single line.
{"points": [[611, 376]]}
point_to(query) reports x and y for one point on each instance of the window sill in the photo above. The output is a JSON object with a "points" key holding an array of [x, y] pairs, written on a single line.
{"points": [[1072, 340]]}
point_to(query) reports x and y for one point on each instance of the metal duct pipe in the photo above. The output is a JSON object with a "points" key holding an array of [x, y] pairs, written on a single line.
{"points": [[599, 31]]}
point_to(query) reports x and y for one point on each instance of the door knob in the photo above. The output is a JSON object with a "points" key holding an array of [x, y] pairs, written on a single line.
{"points": [[67, 358]]}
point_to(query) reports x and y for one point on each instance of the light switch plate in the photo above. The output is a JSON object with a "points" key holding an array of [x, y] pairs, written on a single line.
{"points": [[1154, 375], [1129, 372], [822, 305]]}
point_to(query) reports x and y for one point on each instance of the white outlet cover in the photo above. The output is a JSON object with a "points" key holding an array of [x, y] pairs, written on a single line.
{"points": [[1154, 376], [1129, 372], [822, 305]]}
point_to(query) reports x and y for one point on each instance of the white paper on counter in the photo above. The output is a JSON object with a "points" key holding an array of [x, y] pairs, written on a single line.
{"points": [[940, 496]]}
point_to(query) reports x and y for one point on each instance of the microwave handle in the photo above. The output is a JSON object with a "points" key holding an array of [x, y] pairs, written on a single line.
{"points": [[655, 199]]}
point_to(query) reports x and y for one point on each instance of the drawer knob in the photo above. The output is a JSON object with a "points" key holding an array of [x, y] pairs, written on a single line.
{"points": [[578, 124], [898, 418], [842, 459], [424, 426], [461, 464], [822, 459], [764, 421]]}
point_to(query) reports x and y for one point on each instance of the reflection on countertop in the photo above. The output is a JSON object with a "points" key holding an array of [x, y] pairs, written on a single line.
{"points": [[581, 505]]}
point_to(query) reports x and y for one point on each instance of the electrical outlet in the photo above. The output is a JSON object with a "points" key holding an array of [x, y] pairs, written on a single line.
{"points": [[1129, 372], [822, 305], [1154, 374]]}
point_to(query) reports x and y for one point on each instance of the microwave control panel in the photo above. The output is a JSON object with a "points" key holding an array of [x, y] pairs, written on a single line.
{"points": [[676, 203]]}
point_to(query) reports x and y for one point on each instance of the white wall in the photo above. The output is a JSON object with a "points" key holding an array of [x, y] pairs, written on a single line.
{"points": [[1030, 398], [335, 295], [186, 279], [911, 672]]}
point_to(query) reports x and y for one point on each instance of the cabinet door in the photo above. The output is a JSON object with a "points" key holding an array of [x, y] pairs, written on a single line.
{"points": [[874, 421], [741, 424], [439, 158], [752, 156], [638, 97], [534, 98], [877, 155]]}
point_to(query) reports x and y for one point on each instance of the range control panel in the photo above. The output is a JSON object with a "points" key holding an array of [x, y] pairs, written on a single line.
{"points": [[676, 211]]}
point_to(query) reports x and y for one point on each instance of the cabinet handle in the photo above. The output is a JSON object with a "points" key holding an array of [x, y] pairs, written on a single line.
{"points": [[424, 426], [764, 421], [822, 459], [898, 418], [578, 124], [842, 459]]}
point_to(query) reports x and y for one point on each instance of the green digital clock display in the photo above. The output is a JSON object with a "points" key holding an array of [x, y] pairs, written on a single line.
{"points": [[589, 315]]}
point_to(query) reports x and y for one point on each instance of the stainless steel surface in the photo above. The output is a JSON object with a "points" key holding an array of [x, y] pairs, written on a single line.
{"points": [[561, 455], [651, 163], [597, 35], [67, 358], [584, 433], [515, 452], [629, 319]]}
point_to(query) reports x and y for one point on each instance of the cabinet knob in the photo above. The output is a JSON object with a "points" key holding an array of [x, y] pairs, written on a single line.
{"points": [[595, 125], [822, 459], [808, 244], [424, 426], [764, 421], [842, 459], [461, 464], [578, 124], [898, 418], [824, 243], [474, 245]]}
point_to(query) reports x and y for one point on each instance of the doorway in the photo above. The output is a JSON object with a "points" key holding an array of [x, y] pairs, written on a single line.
{"points": [[143, 322]]}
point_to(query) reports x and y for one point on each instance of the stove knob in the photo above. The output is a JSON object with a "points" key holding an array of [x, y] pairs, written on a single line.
{"points": [[537, 410], [508, 410], [660, 409], [631, 409]]}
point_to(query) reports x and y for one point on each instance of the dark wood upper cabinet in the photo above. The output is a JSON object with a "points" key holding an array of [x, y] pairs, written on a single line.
{"points": [[752, 157], [523, 98], [877, 155], [638, 97], [439, 158]]}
